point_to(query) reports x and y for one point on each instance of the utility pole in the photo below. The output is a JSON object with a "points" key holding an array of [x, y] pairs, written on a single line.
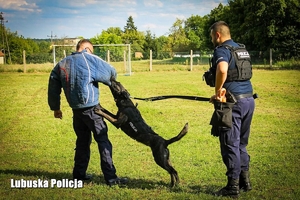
{"points": [[51, 37], [4, 35]]}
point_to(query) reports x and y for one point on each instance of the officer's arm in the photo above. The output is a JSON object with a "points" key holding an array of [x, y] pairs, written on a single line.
{"points": [[221, 75]]}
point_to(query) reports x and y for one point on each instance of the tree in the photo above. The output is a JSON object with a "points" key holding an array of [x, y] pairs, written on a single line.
{"points": [[266, 24], [195, 32], [110, 36], [161, 46], [132, 36], [215, 15], [115, 30], [130, 27], [42, 55], [177, 37], [149, 44], [17, 44], [261, 25], [288, 38], [107, 37]]}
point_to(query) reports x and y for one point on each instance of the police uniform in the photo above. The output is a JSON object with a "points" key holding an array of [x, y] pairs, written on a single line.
{"points": [[233, 141]]}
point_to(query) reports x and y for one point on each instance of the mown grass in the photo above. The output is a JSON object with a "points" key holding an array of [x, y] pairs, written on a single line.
{"points": [[34, 145], [144, 65], [136, 66]]}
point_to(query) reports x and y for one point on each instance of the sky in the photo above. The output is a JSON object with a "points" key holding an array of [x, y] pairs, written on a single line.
{"points": [[42, 19]]}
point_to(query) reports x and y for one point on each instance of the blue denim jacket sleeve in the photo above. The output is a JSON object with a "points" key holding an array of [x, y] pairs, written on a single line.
{"points": [[104, 72]]}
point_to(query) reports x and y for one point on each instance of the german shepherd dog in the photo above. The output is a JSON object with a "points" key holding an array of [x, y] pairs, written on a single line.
{"points": [[129, 119]]}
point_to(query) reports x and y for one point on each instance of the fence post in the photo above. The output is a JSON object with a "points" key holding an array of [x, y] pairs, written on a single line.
{"points": [[129, 59], [150, 59], [108, 57], [53, 51], [24, 60], [124, 58], [191, 63], [270, 57]]}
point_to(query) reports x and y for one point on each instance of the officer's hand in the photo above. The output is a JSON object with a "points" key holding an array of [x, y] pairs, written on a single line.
{"points": [[58, 114]]}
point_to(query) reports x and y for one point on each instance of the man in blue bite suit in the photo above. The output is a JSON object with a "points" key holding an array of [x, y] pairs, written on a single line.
{"points": [[78, 75], [234, 139]]}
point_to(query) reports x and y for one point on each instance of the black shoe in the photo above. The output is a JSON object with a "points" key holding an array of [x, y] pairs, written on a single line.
{"points": [[117, 181], [87, 177], [231, 189]]}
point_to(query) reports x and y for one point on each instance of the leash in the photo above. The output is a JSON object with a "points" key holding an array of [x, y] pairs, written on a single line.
{"points": [[195, 98]]}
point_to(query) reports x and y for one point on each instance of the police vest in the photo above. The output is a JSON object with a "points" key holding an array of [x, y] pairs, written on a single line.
{"points": [[243, 66]]}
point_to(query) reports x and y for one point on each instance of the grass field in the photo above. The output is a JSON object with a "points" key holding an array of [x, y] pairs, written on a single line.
{"points": [[34, 145]]}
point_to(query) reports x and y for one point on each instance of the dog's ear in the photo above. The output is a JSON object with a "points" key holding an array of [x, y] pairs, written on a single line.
{"points": [[126, 94]]}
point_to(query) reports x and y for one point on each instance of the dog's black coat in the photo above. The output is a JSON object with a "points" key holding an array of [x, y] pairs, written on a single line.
{"points": [[130, 121]]}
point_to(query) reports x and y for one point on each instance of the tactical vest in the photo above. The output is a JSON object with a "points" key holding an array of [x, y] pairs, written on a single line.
{"points": [[243, 69]]}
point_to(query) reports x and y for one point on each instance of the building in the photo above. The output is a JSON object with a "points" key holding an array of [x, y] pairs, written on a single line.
{"points": [[1, 58]]}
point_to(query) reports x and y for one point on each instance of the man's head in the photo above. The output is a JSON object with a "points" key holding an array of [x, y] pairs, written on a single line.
{"points": [[85, 44], [219, 33]]}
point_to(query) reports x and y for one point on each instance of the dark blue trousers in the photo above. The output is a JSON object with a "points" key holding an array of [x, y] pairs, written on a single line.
{"points": [[233, 142], [85, 122]]}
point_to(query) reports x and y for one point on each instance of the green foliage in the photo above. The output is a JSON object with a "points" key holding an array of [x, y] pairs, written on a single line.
{"points": [[290, 64], [264, 24], [177, 37], [149, 45], [217, 14], [39, 58], [111, 36], [115, 30], [130, 27], [260, 25], [194, 28]]}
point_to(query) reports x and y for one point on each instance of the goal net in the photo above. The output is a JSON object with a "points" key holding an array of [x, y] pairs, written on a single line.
{"points": [[118, 55]]}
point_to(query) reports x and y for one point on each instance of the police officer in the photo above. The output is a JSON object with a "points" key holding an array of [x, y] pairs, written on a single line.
{"points": [[234, 140]]}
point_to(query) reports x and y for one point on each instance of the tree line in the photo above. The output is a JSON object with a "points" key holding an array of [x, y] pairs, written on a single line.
{"points": [[260, 25]]}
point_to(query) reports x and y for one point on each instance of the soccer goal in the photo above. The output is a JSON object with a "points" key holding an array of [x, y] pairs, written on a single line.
{"points": [[118, 55]]}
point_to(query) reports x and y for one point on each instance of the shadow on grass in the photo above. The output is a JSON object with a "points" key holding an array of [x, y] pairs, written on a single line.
{"points": [[36, 173], [99, 179], [209, 189]]}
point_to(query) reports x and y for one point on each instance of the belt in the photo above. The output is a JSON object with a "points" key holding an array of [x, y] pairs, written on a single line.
{"points": [[241, 96]]}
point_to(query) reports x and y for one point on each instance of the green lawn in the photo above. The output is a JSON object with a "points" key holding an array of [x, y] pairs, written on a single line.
{"points": [[34, 145]]}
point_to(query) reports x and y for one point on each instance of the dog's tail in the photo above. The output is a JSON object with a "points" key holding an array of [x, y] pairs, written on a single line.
{"points": [[182, 133]]}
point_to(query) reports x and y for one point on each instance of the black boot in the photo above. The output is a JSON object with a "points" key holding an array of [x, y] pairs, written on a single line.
{"points": [[231, 189], [245, 181]]}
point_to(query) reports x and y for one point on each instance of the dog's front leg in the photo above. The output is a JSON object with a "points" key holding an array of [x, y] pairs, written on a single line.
{"points": [[117, 122], [106, 114]]}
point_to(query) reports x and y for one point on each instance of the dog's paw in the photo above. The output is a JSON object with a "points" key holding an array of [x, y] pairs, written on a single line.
{"points": [[122, 119], [98, 111]]}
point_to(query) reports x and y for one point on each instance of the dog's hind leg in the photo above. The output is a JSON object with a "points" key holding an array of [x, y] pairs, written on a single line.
{"points": [[161, 157], [173, 173]]}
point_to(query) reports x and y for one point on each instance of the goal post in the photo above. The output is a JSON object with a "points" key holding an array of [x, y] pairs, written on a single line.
{"points": [[108, 52]]}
